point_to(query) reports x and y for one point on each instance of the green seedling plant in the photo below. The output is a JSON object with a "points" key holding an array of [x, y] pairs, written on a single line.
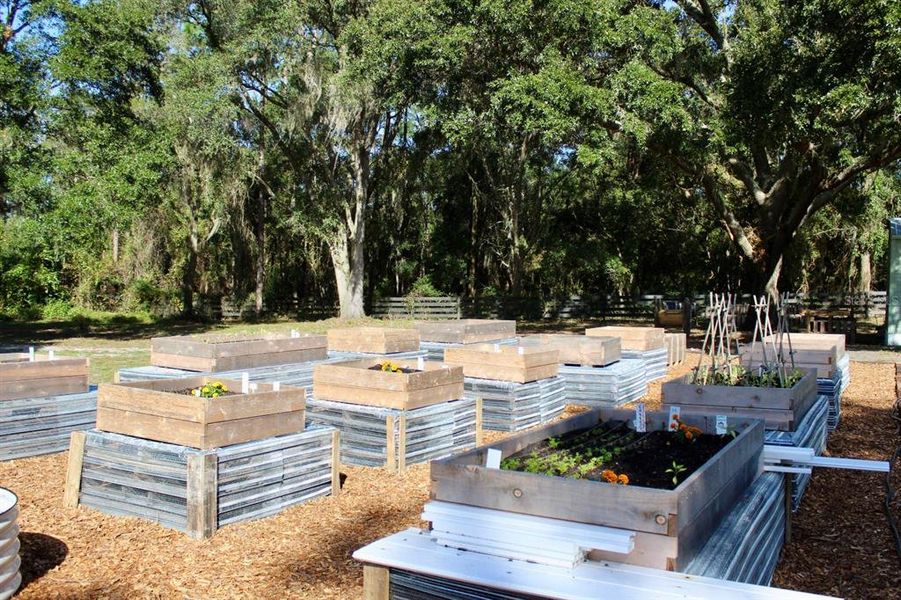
{"points": [[676, 470]]}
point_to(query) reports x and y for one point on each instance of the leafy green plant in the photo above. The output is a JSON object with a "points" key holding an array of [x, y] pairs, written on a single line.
{"points": [[676, 470]]}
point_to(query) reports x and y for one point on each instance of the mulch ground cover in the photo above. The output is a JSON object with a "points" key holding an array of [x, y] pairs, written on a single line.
{"points": [[841, 543]]}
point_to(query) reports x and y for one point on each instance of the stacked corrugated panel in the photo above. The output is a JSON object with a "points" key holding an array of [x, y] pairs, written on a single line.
{"points": [[811, 432], [129, 374], [622, 382], [511, 406], [656, 361], [745, 546], [435, 350], [833, 388], [35, 426], [124, 475], [424, 433]]}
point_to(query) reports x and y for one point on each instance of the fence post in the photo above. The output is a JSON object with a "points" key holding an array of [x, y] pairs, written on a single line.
{"points": [[686, 316]]}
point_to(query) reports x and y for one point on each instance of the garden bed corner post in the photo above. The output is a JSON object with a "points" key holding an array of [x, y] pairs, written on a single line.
{"points": [[202, 495]]}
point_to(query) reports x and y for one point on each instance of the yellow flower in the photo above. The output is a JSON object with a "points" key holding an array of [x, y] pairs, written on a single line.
{"points": [[623, 479]]}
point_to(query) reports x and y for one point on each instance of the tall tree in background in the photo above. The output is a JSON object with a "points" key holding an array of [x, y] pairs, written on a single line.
{"points": [[768, 109]]}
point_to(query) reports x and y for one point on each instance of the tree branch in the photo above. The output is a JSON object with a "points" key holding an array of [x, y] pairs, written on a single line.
{"points": [[701, 14]]}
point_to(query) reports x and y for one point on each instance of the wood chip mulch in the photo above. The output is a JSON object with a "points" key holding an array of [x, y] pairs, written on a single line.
{"points": [[841, 544]]}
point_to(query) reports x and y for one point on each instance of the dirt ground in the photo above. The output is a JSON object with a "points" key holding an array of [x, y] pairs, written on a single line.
{"points": [[841, 544]]}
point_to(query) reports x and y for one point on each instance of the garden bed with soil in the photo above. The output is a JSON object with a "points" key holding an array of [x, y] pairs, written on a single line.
{"points": [[169, 410], [367, 382], [656, 459]]}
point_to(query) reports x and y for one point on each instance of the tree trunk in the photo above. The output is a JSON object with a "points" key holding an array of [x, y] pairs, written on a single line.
{"points": [[188, 276], [348, 262], [260, 271], [866, 273]]}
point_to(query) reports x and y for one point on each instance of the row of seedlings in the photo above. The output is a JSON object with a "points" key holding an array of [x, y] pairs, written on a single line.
{"points": [[392, 410], [644, 343], [438, 336], [43, 399], [676, 493], [518, 385], [198, 453]]}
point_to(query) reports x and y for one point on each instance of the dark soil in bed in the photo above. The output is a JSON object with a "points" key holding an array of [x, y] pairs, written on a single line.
{"points": [[643, 457]]}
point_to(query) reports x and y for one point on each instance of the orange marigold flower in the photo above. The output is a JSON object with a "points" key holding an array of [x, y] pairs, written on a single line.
{"points": [[688, 434], [608, 476], [623, 479]]}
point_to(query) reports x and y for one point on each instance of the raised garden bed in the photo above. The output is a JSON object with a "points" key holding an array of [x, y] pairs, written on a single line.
{"points": [[162, 411], [671, 525], [22, 378], [199, 491], [225, 352], [632, 338], [504, 363], [578, 350], [781, 408], [373, 340], [356, 382], [466, 331], [819, 351]]}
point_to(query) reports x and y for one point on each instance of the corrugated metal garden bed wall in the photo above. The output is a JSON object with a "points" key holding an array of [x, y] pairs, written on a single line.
{"points": [[198, 491]]}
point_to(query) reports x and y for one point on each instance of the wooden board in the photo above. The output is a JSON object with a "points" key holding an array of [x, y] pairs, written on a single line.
{"points": [[228, 352], [579, 350], [373, 340], [781, 408], [676, 345], [518, 364], [43, 377], [355, 383], [153, 410], [687, 513], [466, 331], [633, 338]]}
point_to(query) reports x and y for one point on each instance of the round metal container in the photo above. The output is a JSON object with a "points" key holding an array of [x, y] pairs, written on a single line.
{"points": [[10, 578]]}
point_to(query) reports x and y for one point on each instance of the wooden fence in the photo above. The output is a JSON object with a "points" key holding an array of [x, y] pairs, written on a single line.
{"points": [[611, 307], [444, 307]]}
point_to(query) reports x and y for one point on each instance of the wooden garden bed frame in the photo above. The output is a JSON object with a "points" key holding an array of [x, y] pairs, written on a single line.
{"points": [[226, 352], [150, 410], [632, 338], [466, 331], [22, 378], [579, 350], [781, 408], [355, 382], [671, 526], [373, 340], [518, 364]]}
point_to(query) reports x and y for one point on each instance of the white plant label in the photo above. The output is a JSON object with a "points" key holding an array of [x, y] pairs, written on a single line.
{"points": [[493, 459], [674, 413], [521, 350], [31, 354], [51, 354], [245, 383], [276, 386], [497, 347], [420, 363], [722, 424], [295, 333], [641, 418], [253, 387]]}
